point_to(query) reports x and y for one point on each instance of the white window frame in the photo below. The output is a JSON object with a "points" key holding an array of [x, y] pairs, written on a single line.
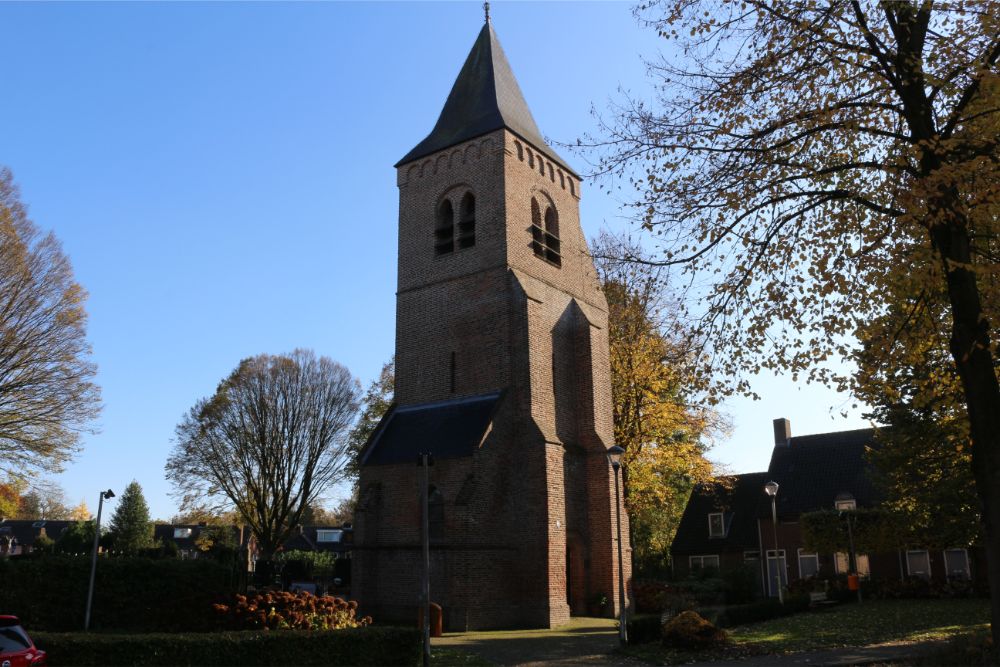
{"points": [[324, 536], [802, 554], [701, 561], [722, 524], [846, 505], [927, 556], [967, 576], [842, 564]]}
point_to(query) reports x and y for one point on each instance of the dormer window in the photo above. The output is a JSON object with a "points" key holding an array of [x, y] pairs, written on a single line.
{"points": [[329, 535], [444, 230], [716, 525], [845, 502], [182, 533], [467, 222], [545, 233]]}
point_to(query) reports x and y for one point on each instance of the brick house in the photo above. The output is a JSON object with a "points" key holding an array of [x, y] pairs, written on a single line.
{"points": [[17, 536], [730, 525], [502, 374]]}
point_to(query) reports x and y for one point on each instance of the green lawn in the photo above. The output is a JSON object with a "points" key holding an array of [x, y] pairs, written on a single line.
{"points": [[874, 622]]}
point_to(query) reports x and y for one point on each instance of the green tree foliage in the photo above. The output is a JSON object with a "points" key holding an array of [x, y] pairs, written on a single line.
{"points": [[922, 459], [873, 530], [651, 388], [799, 156], [78, 538], [46, 393], [377, 401], [269, 442], [130, 528]]}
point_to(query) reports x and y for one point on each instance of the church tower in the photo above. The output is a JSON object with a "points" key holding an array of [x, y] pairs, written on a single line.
{"points": [[502, 373]]}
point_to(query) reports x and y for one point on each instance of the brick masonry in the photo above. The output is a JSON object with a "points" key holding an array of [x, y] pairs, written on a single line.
{"points": [[529, 518]]}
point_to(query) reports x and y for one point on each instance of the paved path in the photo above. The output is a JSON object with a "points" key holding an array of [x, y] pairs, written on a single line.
{"points": [[592, 641], [584, 641]]}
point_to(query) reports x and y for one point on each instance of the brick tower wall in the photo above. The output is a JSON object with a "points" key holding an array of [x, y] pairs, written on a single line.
{"points": [[532, 511]]}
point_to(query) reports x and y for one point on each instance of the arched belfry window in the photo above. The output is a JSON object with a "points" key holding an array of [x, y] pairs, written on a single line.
{"points": [[467, 222], [435, 514], [545, 233], [444, 230]]}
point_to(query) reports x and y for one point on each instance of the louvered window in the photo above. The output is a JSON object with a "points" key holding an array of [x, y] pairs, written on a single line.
{"points": [[545, 233]]}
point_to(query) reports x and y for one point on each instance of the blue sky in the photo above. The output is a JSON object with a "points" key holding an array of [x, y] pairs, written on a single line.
{"points": [[221, 177]]}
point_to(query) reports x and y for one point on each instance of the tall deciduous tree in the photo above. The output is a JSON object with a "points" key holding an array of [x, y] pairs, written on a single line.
{"points": [[130, 528], [651, 385], [44, 501], [269, 442], [46, 393], [801, 152]]}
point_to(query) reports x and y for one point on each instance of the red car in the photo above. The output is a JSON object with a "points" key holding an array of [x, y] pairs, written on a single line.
{"points": [[16, 647]]}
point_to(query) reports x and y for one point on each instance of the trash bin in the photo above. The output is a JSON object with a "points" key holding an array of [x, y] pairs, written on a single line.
{"points": [[852, 583], [435, 619]]}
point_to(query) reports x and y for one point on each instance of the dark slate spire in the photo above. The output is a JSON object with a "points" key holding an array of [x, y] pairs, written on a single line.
{"points": [[485, 98]]}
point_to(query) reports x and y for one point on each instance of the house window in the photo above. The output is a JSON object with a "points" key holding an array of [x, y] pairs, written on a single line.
{"points": [[846, 504], [751, 556], [545, 233], [716, 525], [182, 533], [435, 514], [808, 565], [956, 564], [842, 563], [702, 562], [467, 222], [444, 230], [329, 535], [918, 564]]}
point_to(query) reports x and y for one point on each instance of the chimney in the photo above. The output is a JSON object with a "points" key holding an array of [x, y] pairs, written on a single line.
{"points": [[782, 432]]}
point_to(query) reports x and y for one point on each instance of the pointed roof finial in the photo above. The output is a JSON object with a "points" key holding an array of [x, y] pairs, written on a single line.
{"points": [[486, 9]]}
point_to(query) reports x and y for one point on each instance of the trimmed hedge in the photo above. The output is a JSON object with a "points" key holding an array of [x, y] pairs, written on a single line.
{"points": [[130, 594], [355, 646]]}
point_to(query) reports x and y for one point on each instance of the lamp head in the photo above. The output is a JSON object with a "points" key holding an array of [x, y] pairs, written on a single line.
{"points": [[615, 454], [109, 494], [771, 489]]}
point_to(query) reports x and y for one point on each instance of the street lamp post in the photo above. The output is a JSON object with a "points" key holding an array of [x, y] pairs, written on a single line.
{"points": [[771, 489], [105, 495], [615, 459]]}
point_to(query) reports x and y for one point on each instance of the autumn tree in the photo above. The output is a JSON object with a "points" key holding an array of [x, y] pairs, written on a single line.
{"points": [[44, 501], [651, 388], [921, 456], [798, 155], [10, 496], [46, 392], [377, 401], [81, 512], [270, 440], [130, 528]]}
